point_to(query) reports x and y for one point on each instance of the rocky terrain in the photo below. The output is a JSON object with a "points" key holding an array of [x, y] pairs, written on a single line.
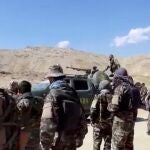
{"points": [[32, 63]]}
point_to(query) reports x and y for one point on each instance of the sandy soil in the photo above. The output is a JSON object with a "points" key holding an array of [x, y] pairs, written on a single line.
{"points": [[32, 63], [141, 139]]}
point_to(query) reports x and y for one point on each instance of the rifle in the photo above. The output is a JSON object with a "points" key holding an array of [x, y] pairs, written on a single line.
{"points": [[80, 69], [106, 68]]}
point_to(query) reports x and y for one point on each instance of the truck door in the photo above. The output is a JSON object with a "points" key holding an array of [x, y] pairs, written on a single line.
{"points": [[85, 91]]}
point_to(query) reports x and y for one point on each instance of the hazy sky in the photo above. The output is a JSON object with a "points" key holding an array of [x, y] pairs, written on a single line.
{"points": [[121, 27]]}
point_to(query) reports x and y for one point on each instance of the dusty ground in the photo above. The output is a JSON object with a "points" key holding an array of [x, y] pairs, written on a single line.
{"points": [[141, 140]]}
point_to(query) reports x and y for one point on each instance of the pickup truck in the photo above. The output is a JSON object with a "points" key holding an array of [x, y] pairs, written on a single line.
{"points": [[81, 84]]}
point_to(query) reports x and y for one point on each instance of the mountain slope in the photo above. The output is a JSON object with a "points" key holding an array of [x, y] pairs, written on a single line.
{"points": [[33, 62]]}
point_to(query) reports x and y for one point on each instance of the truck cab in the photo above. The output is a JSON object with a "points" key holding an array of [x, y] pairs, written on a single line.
{"points": [[81, 84]]}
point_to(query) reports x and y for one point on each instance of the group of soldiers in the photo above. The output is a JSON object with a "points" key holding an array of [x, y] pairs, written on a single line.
{"points": [[27, 122], [20, 114], [58, 122], [114, 110]]}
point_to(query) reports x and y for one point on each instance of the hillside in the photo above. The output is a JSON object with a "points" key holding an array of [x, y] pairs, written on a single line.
{"points": [[32, 63]]}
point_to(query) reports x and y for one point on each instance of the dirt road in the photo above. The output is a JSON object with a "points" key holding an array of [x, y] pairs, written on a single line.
{"points": [[141, 139]]}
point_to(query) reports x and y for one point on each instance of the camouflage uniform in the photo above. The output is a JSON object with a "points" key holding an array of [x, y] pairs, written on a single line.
{"points": [[147, 102], [114, 65], [29, 124], [14, 87], [8, 118], [101, 118], [124, 112], [52, 132], [143, 93], [93, 71]]}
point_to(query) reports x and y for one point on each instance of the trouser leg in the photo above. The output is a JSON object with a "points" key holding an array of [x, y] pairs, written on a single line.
{"points": [[97, 138]]}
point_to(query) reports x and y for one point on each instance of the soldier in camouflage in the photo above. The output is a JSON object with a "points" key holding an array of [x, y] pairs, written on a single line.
{"points": [[14, 87], [55, 133], [143, 92], [114, 65], [93, 71], [123, 106], [8, 122], [147, 102], [28, 119], [101, 118]]}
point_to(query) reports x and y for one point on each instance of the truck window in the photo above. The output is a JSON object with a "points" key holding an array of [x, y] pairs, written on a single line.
{"points": [[80, 85]]}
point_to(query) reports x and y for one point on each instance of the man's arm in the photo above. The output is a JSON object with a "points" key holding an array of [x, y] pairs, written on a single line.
{"points": [[94, 110], [49, 121], [106, 68], [114, 105], [147, 102]]}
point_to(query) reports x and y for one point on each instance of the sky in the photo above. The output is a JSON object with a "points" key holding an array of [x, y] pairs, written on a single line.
{"points": [[98, 26]]}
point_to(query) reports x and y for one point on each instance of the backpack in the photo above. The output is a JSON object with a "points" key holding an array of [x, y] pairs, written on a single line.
{"points": [[37, 104], [37, 107], [130, 99], [104, 99], [70, 115], [68, 112], [73, 120], [70, 109]]}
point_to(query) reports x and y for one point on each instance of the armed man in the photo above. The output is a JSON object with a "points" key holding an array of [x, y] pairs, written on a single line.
{"points": [[8, 122], [30, 110], [93, 71], [101, 118], [124, 106], [114, 65], [63, 124]]}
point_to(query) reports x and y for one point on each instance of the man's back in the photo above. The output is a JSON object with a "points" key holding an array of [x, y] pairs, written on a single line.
{"points": [[101, 118], [99, 106], [122, 103], [8, 126], [123, 107], [60, 103], [114, 65]]}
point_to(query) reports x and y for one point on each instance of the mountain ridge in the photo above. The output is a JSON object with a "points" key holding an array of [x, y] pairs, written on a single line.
{"points": [[32, 63]]}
